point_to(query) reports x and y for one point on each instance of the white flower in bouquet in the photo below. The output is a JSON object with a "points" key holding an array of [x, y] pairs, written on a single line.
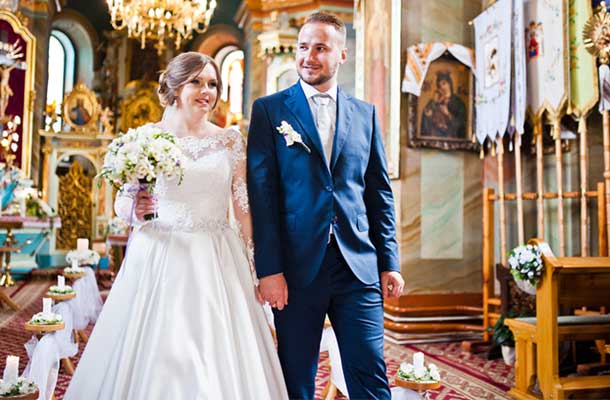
{"points": [[525, 263]]}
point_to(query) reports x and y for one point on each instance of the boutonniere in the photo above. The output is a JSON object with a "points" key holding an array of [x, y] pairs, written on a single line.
{"points": [[290, 135]]}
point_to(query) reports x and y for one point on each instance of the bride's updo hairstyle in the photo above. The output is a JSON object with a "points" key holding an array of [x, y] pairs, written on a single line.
{"points": [[179, 71]]}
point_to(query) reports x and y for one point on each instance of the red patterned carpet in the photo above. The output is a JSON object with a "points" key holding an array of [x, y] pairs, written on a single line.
{"points": [[465, 376]]}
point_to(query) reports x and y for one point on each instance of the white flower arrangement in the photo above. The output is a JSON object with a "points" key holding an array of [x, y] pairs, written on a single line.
{"points": [[23, 386], [76, 270], [43, 319], [57, 290], [525, 263], [424, 374], [291, 136], [116, 226], [83, 257], [141, 155]]}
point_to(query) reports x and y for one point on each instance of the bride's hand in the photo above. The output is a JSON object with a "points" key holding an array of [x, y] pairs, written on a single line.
{"points": [[145, 204]]}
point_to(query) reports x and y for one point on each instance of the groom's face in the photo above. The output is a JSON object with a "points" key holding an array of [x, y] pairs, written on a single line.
{"points": [[320, 51]]}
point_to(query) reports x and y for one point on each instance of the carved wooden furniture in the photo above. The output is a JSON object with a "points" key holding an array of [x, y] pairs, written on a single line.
{"points": [[567, 283]]}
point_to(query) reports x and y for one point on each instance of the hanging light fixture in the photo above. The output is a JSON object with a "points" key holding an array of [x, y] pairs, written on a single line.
{"points": [[161, 20]]}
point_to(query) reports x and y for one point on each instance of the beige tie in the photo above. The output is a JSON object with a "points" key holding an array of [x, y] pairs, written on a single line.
{"points": [[324, 123]]}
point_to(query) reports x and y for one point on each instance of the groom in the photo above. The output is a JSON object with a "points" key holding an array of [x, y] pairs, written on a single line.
{"points": [[323, 215]]}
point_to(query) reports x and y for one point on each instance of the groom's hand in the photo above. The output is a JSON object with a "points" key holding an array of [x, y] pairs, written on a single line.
{"points": [[391, 284], [274, 290]]}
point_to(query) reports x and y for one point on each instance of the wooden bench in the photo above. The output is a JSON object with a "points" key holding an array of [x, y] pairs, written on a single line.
{"points": [[567, 283]]}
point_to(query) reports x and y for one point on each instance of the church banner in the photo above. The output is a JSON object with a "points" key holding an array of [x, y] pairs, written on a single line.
{"points": [[519, 93], [583, 71], [419, 57], [493, 66], [545, 55]]}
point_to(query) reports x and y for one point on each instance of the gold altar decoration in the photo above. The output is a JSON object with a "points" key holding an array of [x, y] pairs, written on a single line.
{"points": [[74, 207], [18, 54], [140, 104], [161, 20], [81, 109], [596, 34], [280, 39]]}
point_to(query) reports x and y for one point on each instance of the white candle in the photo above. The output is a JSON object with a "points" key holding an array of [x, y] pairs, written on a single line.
{"points": [[74, 264], [61, 281], [418, 360], [82, 244], [46, 305], [11, 371]]}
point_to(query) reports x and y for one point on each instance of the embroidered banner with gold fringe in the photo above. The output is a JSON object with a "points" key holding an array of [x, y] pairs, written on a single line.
{"points": [[493, 65]]}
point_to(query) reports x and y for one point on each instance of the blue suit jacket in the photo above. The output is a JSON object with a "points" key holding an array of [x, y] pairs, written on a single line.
{"points": [[294, 197]]}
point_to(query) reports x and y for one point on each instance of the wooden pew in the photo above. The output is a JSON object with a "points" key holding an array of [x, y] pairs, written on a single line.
{"points": [[567, 283]]}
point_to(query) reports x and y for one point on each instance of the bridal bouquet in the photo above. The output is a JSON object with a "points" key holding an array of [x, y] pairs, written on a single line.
{"points": [[140, 156]]}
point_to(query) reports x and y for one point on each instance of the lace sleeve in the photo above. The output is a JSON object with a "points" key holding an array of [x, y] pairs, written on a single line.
{"points": [[241, 205], [123, 204]]}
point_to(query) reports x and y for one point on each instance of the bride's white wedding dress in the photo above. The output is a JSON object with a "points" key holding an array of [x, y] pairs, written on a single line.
{"points": [[182, 321]]}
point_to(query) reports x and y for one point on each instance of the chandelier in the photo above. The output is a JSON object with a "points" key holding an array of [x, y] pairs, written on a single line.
{"points": [[161, 20]]}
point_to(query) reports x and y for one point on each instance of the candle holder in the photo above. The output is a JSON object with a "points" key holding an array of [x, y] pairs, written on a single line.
{"points": [[28, 396], [60, 296]]}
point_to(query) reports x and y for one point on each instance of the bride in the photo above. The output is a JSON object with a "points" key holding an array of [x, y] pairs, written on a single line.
{"points": [[182, 320]]}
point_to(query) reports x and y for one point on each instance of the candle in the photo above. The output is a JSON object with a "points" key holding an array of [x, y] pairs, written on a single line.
{"points": [[74, 264], [11, 371], [61, 281], [82, 244], [46, 306], [418, 360]]}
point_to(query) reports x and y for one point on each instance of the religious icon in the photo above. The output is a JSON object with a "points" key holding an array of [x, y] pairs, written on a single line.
{"points": [[491, 62], [596, 35], [534, 35], [444, 108], [9, 60], [80, 108]]}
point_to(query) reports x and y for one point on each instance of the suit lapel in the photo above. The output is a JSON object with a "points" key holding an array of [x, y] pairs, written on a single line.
{"points": [[298, 105], [344, 120]]}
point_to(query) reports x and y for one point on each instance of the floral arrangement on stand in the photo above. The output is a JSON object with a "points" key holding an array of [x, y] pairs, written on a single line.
{"points": [[20, 387], [42, 318], [58, 290], [81, 257], [418, 372], [525, 263]]}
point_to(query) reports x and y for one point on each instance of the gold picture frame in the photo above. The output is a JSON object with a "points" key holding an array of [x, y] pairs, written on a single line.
{"points": [[442, 116], [26, 91], [81, 109], [140, 105]]}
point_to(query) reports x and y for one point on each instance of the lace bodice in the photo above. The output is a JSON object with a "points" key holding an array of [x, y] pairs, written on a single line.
{"points": [[214, 176]]}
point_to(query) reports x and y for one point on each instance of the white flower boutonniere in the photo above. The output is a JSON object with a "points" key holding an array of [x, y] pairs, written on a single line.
{"points": [[290, 135]]}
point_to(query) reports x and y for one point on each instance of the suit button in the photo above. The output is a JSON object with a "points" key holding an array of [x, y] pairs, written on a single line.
{"points": [[334, 220], [329, 188]]}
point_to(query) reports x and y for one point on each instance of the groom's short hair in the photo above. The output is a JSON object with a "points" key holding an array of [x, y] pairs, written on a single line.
{"points": [[328, 19]]}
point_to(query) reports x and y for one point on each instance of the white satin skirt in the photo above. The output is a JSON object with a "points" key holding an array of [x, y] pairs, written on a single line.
{"points": [[181, 322]]}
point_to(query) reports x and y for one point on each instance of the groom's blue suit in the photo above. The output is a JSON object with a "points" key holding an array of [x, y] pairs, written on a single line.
{"points": [[295, 198]]}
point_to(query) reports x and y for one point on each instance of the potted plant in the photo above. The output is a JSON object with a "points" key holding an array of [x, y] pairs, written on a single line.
{"points": [[503, 337]]}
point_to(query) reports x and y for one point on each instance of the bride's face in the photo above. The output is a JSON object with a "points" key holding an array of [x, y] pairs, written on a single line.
{"points": [[200, 92]]}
